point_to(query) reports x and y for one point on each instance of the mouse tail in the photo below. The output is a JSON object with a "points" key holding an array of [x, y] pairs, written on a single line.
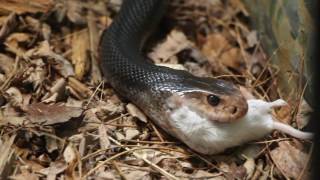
{"points": [[285, 128]]}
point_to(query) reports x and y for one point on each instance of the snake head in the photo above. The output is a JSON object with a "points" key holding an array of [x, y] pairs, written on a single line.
{"points": [[213, 99]]}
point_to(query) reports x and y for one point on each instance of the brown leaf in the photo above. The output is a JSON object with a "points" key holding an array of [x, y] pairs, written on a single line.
{"points": [[303, 114], [13, 42], [289, 159], [75, 10], [200, 174], [51, 114], [80, 46], [69, 154], [15, 96], [9, 115], [61, 64], [232, 58], [96, 75], [25, 175], [6, 64], [119, 136], [174, 43], [8, 26], [215, 45], [6, 154], [57, 91], [54, 169], [136, 112], [252, 38], [103, 136], [131, 133], [78, 88], [250, 166], [24, 6], [18, 37], [35, 74]]}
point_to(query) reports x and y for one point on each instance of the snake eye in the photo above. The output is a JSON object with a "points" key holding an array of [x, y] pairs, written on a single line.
{"points": [[213, 100]]}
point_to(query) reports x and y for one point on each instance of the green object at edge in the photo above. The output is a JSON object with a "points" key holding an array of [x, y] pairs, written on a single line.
{"points": [[285, 28]]}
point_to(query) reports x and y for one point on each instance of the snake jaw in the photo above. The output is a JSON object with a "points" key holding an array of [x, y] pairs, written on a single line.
{"points": [[230, 108]]}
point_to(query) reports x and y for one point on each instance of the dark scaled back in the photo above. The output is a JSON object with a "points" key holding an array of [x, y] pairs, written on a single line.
{"points": [[123, 65]]}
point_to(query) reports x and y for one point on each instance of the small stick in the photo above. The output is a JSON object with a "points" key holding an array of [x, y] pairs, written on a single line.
{"points": [[106, 161], [157, 132], [159, 169], [119, 170]]}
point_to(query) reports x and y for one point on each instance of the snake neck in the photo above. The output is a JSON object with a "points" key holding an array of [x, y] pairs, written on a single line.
{"points": [[135, 22]]}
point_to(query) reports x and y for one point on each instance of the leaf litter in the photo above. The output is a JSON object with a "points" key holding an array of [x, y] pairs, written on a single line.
{"points": [[59, 121]]}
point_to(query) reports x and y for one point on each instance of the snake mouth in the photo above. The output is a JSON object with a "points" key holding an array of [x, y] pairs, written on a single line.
{"points": [[230, 108]]}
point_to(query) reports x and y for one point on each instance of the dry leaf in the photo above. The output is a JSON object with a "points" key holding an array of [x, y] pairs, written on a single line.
{"points": [[75, 10], [289, 159], [303, 114], [61, 64], [8, 26], [9, 115], [252, 38], [6, 154], [137, 175], [57, 91], [284, 114], [51, 114], [103, 137], [18, 38], [215, 45], [172, 66], [79, 50], [107, 175], [6, 64], [69, 154], [25, 175], [136, 112], [36, 73], [201, 174], [15, 96], [249, 165], [24, 6], [54, 169], [78, 88], [119, 136], [174, 43], [14, 41], [232, 58], [131, 133]]}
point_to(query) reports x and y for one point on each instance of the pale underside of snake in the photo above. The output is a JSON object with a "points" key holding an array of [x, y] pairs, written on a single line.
{"points": [[207, 114]]}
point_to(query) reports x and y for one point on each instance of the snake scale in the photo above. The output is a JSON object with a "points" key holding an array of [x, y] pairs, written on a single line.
{"points": [[174, 99]]}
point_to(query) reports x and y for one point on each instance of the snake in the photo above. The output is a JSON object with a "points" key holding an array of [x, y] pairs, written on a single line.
{"points": [[185, 106]]}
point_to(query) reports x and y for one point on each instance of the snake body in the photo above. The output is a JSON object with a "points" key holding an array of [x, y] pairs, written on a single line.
{"points": [[163, 94]]}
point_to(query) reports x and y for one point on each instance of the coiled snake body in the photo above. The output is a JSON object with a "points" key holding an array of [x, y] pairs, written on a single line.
{"points": [[182, 104]]}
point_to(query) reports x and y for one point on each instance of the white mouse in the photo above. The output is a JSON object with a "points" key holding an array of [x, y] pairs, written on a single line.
{"points": [[210, 137]]}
